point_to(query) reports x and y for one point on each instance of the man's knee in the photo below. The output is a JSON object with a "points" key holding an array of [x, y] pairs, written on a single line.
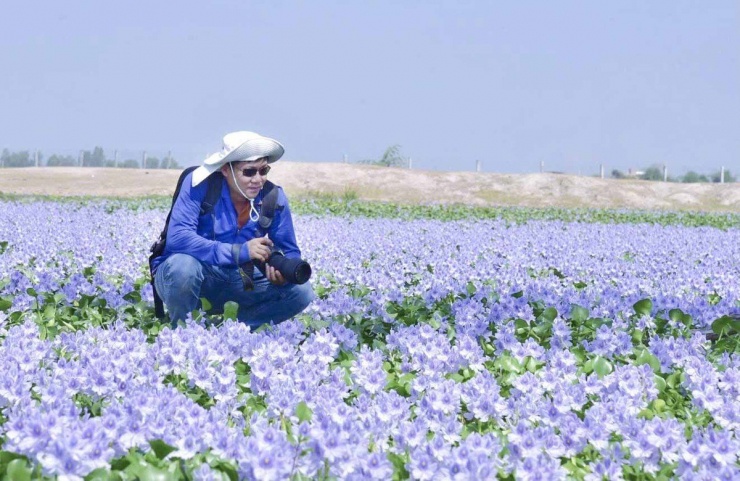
{"points": [[302, 295], [180, 274], [182, 266]]}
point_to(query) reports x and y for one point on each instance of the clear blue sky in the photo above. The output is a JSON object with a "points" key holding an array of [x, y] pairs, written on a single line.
{"points": [[572, 83]]}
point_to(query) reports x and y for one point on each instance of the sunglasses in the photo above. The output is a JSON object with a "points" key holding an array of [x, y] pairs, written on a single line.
{"points": [[251, 171]]}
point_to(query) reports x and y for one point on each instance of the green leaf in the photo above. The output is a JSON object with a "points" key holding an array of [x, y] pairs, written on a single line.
{"points": [[660, 383], [643, 307], [658, 405], [725, 325], [102, 474], [303, 412], [161, 449], [152, 473], [602, 366], [578, 313], [549, 314], [399, 466], [644, 357], [231, 310], [532, 365], [7, 456], [206, 304], [5, 304], [3, 246], [19, 470], [509, 364]]}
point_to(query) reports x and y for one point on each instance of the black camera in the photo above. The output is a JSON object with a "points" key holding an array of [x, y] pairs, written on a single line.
{"points": [[295, 271]]}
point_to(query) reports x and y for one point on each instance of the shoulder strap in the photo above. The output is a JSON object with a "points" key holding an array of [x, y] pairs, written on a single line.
{"points": [[269, 204], [213, 194]]}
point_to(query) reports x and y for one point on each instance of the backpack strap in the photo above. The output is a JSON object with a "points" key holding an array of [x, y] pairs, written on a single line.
{"points": [[269, 204], [213, 194]]}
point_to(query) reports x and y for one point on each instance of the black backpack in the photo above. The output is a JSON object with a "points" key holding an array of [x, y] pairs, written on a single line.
{"points": [[213, 194]]}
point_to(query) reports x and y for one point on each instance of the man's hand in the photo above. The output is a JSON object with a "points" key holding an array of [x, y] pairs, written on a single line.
{"points": [[259, 248], [274, 275]]}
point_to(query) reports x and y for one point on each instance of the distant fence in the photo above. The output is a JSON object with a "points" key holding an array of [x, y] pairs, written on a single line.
{"points": [[157, 159]]}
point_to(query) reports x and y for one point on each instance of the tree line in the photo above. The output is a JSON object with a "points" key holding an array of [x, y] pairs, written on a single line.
{"points": [[87, 158], [655, 172]]}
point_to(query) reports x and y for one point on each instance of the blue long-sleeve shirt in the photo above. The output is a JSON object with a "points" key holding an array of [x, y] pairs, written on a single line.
{"points": [[209, 238]]}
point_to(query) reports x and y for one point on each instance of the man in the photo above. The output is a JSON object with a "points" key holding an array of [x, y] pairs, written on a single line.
{"points": [[202, 252]]}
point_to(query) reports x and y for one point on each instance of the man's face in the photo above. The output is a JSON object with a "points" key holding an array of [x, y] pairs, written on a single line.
{"points": [[247, 175]]}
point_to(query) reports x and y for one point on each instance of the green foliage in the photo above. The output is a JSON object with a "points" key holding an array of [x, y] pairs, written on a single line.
{"points": [[717, 177], [16, 159], [391, 158], [130, 164], [692, 177], [653, 172], [61, 161]]}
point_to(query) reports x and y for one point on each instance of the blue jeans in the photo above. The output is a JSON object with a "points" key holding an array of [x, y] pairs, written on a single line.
{"points": [[181, 280]]}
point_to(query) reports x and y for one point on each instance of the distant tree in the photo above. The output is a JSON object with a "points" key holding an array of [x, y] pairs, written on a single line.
{"points": [[4, 157], [96, 158], [173, 164], [130, 164], [716, 177], [653, 172], [391, 158], [692, 177], [151, 163], [618, 174], [61, 161], [17, 159]]}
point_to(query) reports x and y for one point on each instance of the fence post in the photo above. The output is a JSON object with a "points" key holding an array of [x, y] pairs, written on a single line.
{"points": [[477, 165], [602, 171], [115, 158], [722, 175], [79, 159], [36, 157], [410, 163], [143, 160], [542, 166], [665, 173]]}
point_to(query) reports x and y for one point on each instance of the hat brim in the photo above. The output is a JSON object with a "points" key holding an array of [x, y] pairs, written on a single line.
{"points": [[253, 149]]}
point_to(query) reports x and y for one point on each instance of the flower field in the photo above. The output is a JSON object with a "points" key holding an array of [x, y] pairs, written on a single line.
{"points": [[515, 345]]}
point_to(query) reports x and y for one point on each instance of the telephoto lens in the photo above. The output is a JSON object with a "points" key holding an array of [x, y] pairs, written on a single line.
{"points": [[295, 271]]}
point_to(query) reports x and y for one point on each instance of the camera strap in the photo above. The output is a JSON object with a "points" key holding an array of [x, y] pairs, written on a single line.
{"points": [[246, 269]]}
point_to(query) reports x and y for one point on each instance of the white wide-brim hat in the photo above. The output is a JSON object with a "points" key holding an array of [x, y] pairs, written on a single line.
{"points": [[239, 147]]}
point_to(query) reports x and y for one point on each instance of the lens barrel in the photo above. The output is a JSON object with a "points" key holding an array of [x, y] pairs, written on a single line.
{"points": [[295, 271]]}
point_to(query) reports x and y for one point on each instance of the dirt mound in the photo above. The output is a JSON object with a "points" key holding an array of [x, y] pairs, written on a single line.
{"points": [[398, 185]]}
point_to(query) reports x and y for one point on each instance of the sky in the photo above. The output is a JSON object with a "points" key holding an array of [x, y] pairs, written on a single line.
{"points": [[511, 86]]}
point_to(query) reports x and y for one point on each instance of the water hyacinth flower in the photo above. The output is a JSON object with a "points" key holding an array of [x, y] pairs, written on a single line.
{"points": [[399, 358]]}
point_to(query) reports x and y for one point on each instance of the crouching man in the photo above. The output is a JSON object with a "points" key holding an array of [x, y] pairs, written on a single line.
{"points": [[211, 253]]}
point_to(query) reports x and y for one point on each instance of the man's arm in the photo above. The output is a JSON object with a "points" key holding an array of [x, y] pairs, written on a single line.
{"points": [[182, 233], [282, 232]]}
